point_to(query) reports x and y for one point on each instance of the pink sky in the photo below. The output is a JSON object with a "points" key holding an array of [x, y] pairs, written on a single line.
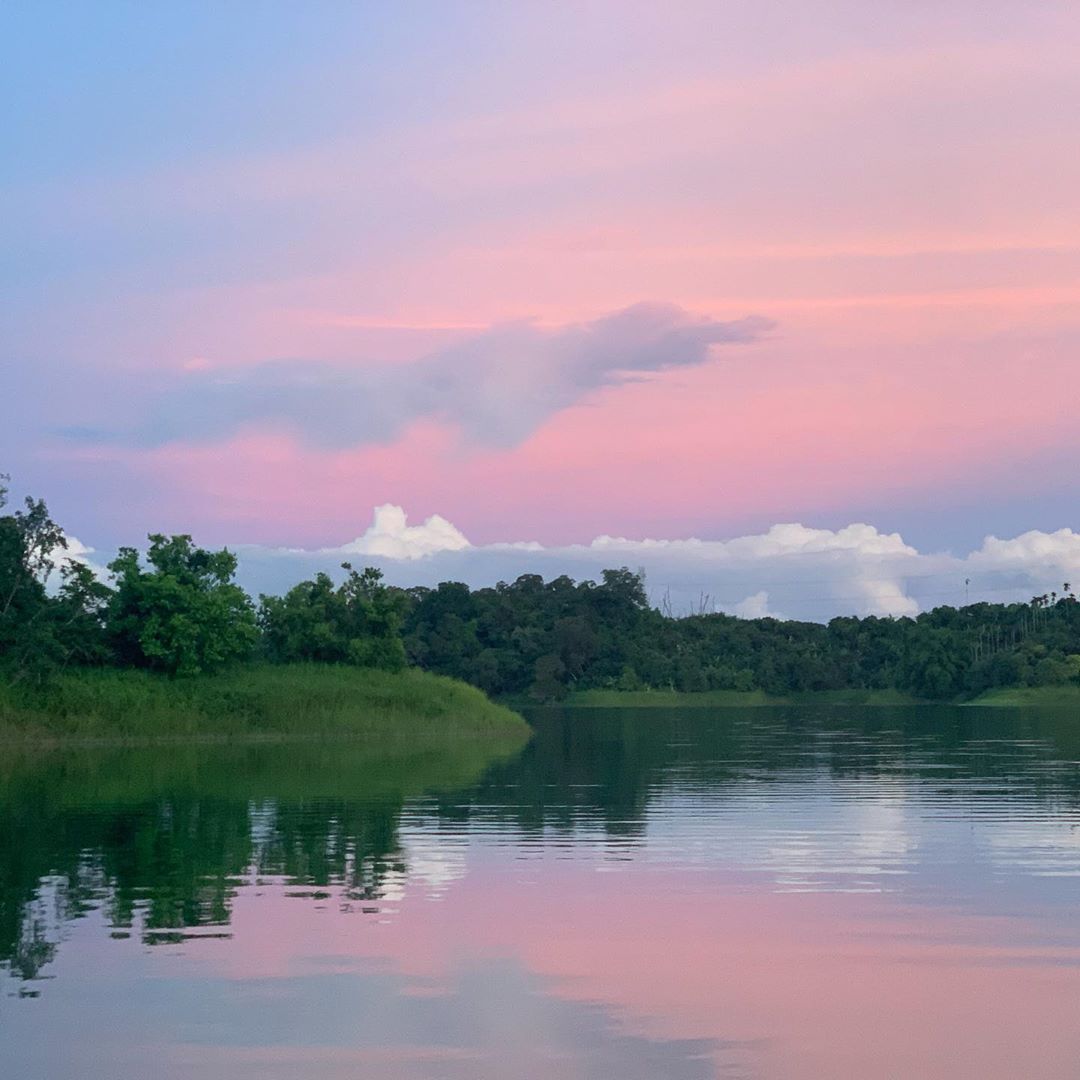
{"points": [[796, 985], [898, 195]]}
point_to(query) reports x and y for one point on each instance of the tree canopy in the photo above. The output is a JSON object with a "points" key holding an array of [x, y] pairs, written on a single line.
{"points": [[359, 622], [178, 610], [182, 613]]}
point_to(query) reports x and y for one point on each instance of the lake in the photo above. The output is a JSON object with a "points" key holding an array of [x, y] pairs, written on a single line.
{"points": [[801, 892]]}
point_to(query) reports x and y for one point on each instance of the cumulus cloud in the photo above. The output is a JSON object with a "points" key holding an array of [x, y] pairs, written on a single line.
{"points": [[755, 606], [392, 537], [789, 571], [496, 387], [869, 564], [1060, 549], [77, 552]]}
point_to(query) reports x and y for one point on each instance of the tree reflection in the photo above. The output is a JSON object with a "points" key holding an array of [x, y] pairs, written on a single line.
{"points": [[160, 839]]}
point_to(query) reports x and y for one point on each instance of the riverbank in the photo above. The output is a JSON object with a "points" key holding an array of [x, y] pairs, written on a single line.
{"points": [[291, 700], [632, 699], [1049, 697], [1004, 697]]}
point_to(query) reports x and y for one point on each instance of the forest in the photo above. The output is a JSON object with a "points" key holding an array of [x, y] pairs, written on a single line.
{"points": [[177, 610]]}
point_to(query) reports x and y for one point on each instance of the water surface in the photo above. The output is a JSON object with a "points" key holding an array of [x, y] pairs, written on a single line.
{"points": [[790, 893]]}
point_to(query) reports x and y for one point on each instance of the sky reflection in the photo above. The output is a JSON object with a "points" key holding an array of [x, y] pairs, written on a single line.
{"points": [[834, 904]]}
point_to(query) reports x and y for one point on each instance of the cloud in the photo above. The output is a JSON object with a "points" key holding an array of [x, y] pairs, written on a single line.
{"points": [[791, 539], [811, 568], [391, 537], [77, 552], [1059, 549], [755, 606], [496, 387], [788, 571]]}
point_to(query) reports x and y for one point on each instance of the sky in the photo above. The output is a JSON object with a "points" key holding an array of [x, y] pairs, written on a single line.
{"points": [[552, 272]]}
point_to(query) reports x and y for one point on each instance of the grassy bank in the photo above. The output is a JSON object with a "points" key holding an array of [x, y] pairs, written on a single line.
{"points": [[279, 701], [1055, 697], [1044, 696], [632, 699]]}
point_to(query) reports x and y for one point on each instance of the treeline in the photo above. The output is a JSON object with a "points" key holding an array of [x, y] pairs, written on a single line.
{"points": [[178, 610], [546, 639]]}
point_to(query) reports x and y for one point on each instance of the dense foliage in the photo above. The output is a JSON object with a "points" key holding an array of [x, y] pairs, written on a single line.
{"points": [[182, 613], [357, 623], [545, 639]]}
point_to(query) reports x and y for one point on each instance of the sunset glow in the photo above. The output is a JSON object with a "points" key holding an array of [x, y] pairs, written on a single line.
{"points": [[894, 197]]}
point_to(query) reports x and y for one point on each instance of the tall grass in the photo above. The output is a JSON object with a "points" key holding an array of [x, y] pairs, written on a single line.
{"points": [[286, 700]]}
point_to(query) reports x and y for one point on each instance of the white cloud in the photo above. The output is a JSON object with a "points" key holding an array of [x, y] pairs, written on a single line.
{"points": [[1056, 549], [755, 606], [784, 539], [76, 549], [789, 571], [389, 535], [882, 593], [859, 568], [77, 552]]}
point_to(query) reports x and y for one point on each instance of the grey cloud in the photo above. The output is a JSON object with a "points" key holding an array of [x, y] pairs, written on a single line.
{"points": [[496, 387]]}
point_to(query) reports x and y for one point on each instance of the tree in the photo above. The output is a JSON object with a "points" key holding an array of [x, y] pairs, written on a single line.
{"points": [[441, 629], [303, 624], [357, 623], [182, 615], [375, 614], [28, 545], [77, 615], [35, 636]]}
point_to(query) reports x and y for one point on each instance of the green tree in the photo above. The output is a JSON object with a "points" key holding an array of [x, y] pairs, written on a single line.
{"points": [[375, 614], [39, 632], [357, 623], [303, 624], [182, 614]]}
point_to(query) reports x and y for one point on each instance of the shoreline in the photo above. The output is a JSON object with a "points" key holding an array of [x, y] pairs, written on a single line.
{"points": [[723, 699], [1004, 697], [1015, 697], [259, 704]]}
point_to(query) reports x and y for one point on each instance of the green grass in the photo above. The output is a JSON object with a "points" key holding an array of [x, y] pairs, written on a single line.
{"points": [[260, 701], [727, 698], [1049, 696]]}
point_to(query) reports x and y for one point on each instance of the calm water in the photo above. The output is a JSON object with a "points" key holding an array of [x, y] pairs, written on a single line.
{"points": [[789, 893]]}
